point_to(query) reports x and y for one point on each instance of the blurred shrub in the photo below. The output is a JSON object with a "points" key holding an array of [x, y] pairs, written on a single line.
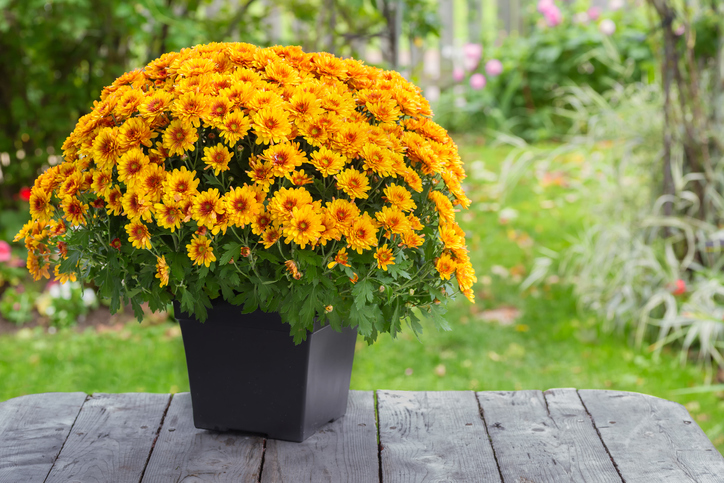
{"points": [[522, 100], [17, 304], [64, 304]]}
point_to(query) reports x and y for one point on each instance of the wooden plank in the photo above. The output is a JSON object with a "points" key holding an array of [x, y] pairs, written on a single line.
{"points": [[32, 431], [652, 439], [345, 450], [532, 444], [433, 436], [184, 453], [111, 439]]}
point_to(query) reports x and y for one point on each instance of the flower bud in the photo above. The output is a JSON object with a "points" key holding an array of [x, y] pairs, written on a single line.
{"points": [[328, 308], [245, 251], [412, 291], [382, 288]]}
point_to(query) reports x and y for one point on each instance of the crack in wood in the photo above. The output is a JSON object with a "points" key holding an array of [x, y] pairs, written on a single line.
{"points": [[87, 396], [261, 463], [155, 439], [615, 465], [487, 432], [379, 445]]}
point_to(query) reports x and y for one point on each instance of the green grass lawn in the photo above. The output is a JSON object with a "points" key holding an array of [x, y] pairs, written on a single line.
{"points": [[540, 340]]}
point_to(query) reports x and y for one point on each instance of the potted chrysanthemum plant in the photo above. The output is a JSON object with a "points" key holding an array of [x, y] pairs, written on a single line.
{"points": [[311, 193]]}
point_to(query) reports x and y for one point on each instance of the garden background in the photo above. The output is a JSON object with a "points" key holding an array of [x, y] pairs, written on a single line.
{"points": [[591, 134]]}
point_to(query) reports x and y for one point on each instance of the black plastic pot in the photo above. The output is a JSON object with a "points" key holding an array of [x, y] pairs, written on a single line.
{"points": [[246, 374]]}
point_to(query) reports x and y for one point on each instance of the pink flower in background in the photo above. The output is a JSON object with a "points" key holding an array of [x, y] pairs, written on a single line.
{"points": [[25, 193], [553, 16], [477, 81], [678, 31], [493, 67], [458, 74], [544, 5], [472, 54], [594, 13], [5, 251], [607, 26]]}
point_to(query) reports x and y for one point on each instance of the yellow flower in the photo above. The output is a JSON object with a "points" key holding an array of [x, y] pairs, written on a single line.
{"points": [[271, 125], [207, 206], [162, 270], [200, 251], [233, 127], [362, 235], [445, 266], [270, 236], [328, 162], [384, 257], [131, 165], [242, 206], [168, 215], [134, 132], [343, 212], [179, 137], [299, 178], [151, 181], [304, 106], [304, 227], [399, 197], [219, 107], [283, 158], [155, 104], [452, 236], [261, 222], [64, 277], [261, 173], [102, 182], [393, 219], [217, 157], [443, 205], [354, 183], [138, 235], [292, 268], [115, 201], [376, 159], [341, 257], [106, 148], [74, 210], [40, 207], [285, 200], [190, 108], [180, 185]]}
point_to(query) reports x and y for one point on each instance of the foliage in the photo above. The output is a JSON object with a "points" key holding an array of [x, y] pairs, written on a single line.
{"points": [[203, 150], [523, 100], [16, 305]]}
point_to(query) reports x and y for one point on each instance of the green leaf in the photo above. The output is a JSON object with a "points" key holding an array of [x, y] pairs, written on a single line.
{"points": [[363, 292], [231, 250]]}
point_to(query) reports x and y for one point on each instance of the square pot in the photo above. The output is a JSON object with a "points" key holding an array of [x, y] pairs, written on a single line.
{"points": [[246, 374]]}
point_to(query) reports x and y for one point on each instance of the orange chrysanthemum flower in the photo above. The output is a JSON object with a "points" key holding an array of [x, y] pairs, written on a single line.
{"points": [[217, 158], [305, 226], [207, 207], [74, 210], [362, 235], [40, 207], [131, 165], [102, 182], [342, 257], [168, 215], [150, 182], [261, 173], [399, 197], [354, 183], [136, 206], [384, 257], [155, 104], [190, 108], [180, 184], [107, 148], [328, 162], [393, 220], [286, 199], [179, 137], [271, 125], [200, 250], [233, 127], [270, 236], [138, 235], [445, 266], [242, 206], [162, 271], [283, 158], [261, 222], [134, 132], [299, 178]]}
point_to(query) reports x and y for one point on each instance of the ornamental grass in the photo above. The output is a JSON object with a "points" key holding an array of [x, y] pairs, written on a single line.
{"points": [[305, 184]]}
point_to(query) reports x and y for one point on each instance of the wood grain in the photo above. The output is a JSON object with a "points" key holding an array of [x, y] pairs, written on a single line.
{"points": [[532, 444], [342, 451], [184, 453], [433, 436], [111, 439], [653, 439], [32, 431]]}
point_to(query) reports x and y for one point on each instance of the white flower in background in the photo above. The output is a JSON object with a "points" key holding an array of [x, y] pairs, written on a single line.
{"points": [[615, 4], [89, 297], [580, 18], [607, 26], [506, 215], [432, 93]]}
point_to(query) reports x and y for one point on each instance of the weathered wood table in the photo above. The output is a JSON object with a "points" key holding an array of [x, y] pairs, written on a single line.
{"points": [[555, 436]]}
